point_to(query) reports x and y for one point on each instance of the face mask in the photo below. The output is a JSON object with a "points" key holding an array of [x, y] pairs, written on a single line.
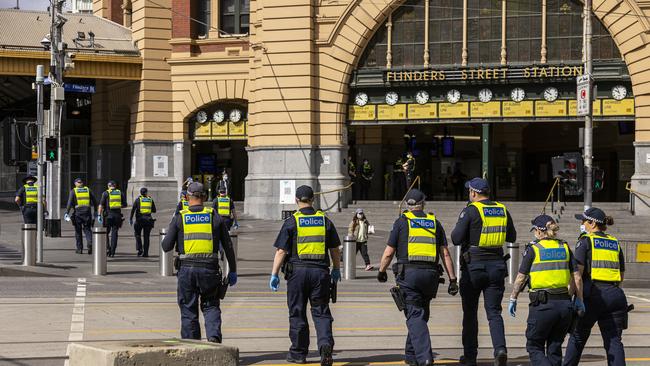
{"points": [[583, 229], [360, 216], [225, 177]]}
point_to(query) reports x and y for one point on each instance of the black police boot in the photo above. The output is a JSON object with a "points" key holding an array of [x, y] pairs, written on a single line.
{"points": [[214, 340], [90, 251], [326, 356], [78, 251], [466, 361], [501, 358], [296, 360]]}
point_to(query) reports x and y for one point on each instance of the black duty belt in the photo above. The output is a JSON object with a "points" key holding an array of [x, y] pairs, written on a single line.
{"points": [[548, 296], [201, 264], [419, 265], [604, 284], [309, 265]]}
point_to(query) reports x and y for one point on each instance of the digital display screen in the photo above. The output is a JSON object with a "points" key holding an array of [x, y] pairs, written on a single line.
{"points": [[447, 147]]}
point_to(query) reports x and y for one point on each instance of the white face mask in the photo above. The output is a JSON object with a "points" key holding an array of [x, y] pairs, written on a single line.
{"points": [[360, 216], [225, 177], [583, 229]]}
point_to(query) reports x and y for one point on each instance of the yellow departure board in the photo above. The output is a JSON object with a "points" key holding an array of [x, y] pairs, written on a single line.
{"points": [[238, 128], [522, 109], [202, 130], [573, 107], [456, 110], [485, 110], [550, 109], [219, 129], [423, 111], [612, 107], [365, 113], [391, 112]]}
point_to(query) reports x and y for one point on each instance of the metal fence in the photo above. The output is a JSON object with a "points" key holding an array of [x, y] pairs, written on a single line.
{"points": [[636, 251]]}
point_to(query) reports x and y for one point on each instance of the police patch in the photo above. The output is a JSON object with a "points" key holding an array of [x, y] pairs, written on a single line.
{"points": [[422, 224], [311, 221], [606, 244], [553, 254], [462, 214], [494, 211], [201, 218]]}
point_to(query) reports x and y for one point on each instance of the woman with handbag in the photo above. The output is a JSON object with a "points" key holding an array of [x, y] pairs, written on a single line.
{"points": [[359, 229]]}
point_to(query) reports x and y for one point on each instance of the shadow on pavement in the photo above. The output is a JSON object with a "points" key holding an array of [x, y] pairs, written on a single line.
{"points": [[124, 272]]}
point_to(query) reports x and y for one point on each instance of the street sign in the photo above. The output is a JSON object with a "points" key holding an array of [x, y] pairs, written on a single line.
{"points": [[583, 95]]}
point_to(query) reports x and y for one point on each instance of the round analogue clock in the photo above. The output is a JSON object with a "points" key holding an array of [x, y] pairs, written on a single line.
{"points": [[361, 99], [422, 97], [201, 116], [517, 94], [453, 96], [551, 94], [619, 92], [485, 95], [235, 115], [218, 116], [392, 98]]}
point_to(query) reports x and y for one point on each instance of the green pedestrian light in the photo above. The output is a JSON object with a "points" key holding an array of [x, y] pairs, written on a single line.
{"points": [[51, 148]]}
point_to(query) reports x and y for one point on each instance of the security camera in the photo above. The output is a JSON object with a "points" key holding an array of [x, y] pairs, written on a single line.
{"points": [[46, 42]]}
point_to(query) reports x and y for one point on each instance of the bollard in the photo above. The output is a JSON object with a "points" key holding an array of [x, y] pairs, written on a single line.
{"points": [[166, 258], [235, 243], [99, 251], [350, 257], [513, 262], [457, 251], [29, 244]]}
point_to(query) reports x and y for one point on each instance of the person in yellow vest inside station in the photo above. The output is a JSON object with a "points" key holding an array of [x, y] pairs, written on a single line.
{"points": [[602, 265], [225, 208], [110, 214], [551, 271], [83, 201], [143, 208], [27, 199]]}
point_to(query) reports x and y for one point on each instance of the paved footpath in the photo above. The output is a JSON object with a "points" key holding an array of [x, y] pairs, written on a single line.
{"points": [[46, 308]]}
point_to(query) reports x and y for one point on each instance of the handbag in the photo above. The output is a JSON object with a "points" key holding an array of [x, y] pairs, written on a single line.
{"points": [[371, 229]]}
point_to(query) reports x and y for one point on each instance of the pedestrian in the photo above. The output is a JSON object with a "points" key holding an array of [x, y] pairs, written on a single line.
{"points": [[183, 203], [483, 227], [367, 174], [352, 173], [81, 200], [27, 199], [457, 180], [419, 241], [110, 214], [224, 184], [551, 271], [399, 179], [195, 233], [302, 251], [225, 208], [409, 169], [358, 229], [142, 208], [602, 265]]}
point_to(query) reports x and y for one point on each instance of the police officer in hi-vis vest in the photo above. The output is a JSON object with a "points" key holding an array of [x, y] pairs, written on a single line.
{"points": [[196, 233], [143, 207], [81, 199], [601, 263], [420, 243], [551, 271], [225, 207], [27, 199], [302, 248], [483, 227], [114, 200]]}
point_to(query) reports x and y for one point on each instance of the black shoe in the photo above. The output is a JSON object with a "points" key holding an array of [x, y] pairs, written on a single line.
{"points": [[214, 340], [90, 251], [139, 254], [296, 360], [145, 255], [466, 361], [501, 358], [78, 251], [326, 356]]}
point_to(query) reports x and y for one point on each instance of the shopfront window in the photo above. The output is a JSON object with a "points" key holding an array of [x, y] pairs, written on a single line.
{"points": [[235, 16]]}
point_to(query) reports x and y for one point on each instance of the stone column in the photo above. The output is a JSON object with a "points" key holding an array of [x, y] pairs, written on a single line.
{"points": [[641, 178]]}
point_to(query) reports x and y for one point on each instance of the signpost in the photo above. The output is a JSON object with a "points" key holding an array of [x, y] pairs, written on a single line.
{"points": [[583, 95]]}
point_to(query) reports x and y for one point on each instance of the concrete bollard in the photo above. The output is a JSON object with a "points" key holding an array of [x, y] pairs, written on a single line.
{"points": [[513, 262], [350, 257], [99, 251], [29, 244], [166, 258], [235, 244]]}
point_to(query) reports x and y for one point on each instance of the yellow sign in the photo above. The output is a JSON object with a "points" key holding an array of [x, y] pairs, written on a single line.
{"points": [[365, 113], [643, 252], [391, 112], [521, 109], [573, 107], [219, 129], [238, 128], [612, 107], [456, 110], [486, 110], [423, 111], [550, 109], [202, 130]]}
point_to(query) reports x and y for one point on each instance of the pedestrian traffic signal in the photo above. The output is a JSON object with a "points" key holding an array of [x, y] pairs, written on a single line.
{"points": [[51, 149], [599, 179], [570, 169]]}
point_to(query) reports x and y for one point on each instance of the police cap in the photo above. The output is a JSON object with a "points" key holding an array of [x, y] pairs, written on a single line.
{"points": [[143, 190], [414, 197], [78, 180], [540, 222], [304, 193], [195, 189], [28, 178], [592, 214], [478, 185]]}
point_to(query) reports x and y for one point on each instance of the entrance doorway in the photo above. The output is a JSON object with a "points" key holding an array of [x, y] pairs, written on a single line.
{"points": [[210, 159]]}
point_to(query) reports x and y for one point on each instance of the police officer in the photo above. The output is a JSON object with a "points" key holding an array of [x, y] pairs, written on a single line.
{"points": [[419, 241], [114, 200], [601, 263], [304, 240], [27, 199], [483, 227], [183, 204], [143, 207], [553, 276], [225, 207], [196, 234], [81, 199]]}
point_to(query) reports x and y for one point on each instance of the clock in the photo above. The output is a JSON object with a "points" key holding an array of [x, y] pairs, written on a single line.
{"points": [[619, 92], [235, 115], [453, 96], [391, 98], [218, 116], [201, 116], [550, 94], [517, 94], [485, 95], [422, 97], [361, 99]]}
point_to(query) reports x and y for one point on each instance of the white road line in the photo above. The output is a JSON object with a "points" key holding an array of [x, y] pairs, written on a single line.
{"points": [[78, 314], [639, 298]]}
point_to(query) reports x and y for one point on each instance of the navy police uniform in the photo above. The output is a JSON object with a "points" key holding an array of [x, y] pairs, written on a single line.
{"points": [[112, 201], [143, 207], [82, 200], [28, 200], [224, 206]]}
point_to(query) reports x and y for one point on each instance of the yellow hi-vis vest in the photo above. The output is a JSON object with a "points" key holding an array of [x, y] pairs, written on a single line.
{"points": [[311, 235], [31, 194], [185, 204], [114, 199], [605, 265], [145, 205], [421, 237], [495, 220], [82, 194], [197, 231], [223, 206], [550, 269]]}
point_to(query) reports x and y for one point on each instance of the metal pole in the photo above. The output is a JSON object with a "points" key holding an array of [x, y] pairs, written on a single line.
{"points": [[513, 262], [40, 78], [350, 257], [235, 244], [99, 251], [457, 250], [485, 139], [166, 258], [588, 157], [29, 244]]}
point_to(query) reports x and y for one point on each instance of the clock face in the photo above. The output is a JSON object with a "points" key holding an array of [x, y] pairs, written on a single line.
{"points": [[422, 97], [485, 95], [218, 116], [517, 95], [392, 98], [453, 96], [201, 116], [619, 92], [550, 94], [235, 115], [361, 99]]}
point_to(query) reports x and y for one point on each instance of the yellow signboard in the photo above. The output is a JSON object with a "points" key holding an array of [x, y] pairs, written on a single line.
{"points": [[219, 129], [423, 111], [365, 113], [391, 112], [643, 252], [521, 109], [573, 107], [238, 128], [612, 107], [202, 130], [456, 110], [550, 109], [485, 110]]}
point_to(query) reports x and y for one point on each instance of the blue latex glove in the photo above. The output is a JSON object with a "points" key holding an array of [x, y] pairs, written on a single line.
{"points": [[512, 308], [274, 284], [336, 275], [232, 278], [580, 306], [66, 217], [131, 221], [236, 225], [100, 219]]}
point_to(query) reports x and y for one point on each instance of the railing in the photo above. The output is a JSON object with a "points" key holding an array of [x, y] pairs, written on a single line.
{"points": [[551, 198], [644, 198], [338, 196], [416, 180]]}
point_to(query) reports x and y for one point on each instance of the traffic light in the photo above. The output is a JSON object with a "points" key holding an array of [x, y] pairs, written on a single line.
{"points": [[570, 169], [51, 149], [599, 179]]}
